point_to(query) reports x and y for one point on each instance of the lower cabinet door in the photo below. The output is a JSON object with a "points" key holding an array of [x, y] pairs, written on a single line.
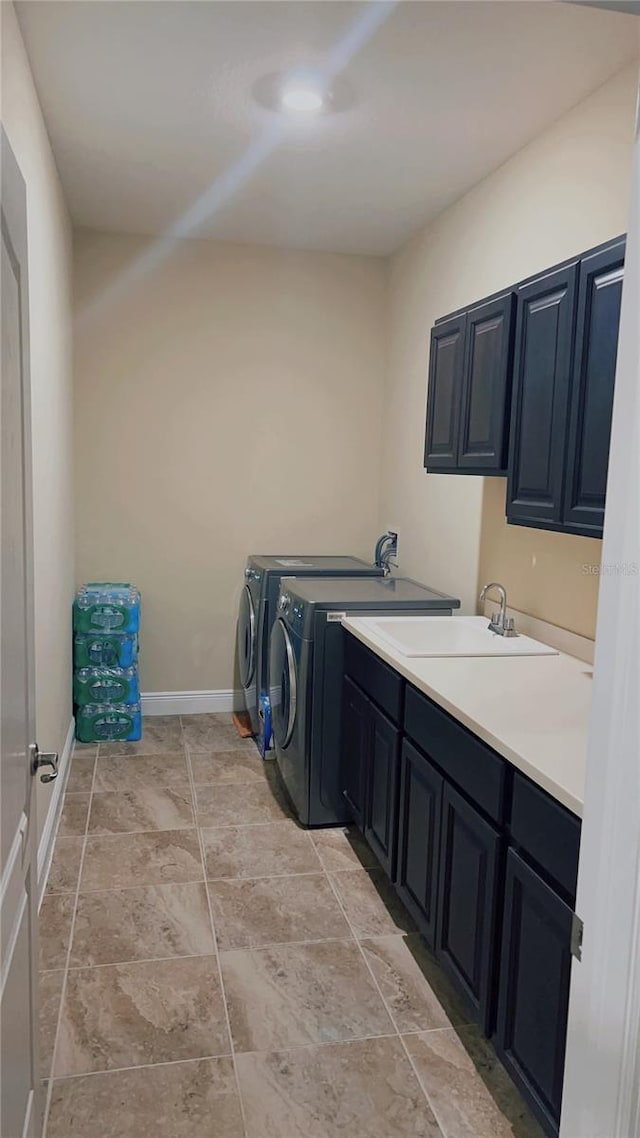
{"points": [[470, 856], [419, 838], [355, 748], [382, 790], [533, 999]]}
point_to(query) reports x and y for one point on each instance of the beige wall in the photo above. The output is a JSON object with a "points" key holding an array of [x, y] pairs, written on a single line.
{"points": [[228, 401], [50, 266], [564, 192]]}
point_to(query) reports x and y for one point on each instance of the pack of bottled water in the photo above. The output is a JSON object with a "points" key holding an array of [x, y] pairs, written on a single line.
{"points": [[105, 722], [105, 649], [106, 607], [106, 689], [106, 685]]}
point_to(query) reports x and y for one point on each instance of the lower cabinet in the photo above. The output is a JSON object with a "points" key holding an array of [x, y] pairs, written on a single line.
{"points": [[439, 812], [369, 767], [355, 742], [380, 819], [533, 998], [419, 838], [470, 857]]}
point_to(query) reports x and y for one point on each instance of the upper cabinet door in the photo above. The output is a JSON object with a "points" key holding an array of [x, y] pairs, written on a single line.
{"points": [[599, 299], [446, 362], [543, 352], [485, 404]]}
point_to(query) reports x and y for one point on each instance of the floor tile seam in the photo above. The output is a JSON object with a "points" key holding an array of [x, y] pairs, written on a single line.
{"points": [[314, 1046], [241, 825], [223, 993], [265, 876], [141, 1066], [232, 1054], [396, 1029], [136, 789], [285, 943], [146, 1067], [142, 960], [56, 1038], [126, 833], [255, 825], [138, 885], [177, 749], [119, 835]]}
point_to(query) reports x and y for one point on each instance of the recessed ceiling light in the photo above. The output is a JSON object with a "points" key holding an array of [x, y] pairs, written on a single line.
{"points": [[303, 94], [302, 98]]}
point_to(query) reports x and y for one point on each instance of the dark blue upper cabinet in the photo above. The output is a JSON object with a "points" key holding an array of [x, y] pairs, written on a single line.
{"points": [[486, 391], [591, 405], [469, 390], [541, 384], [446, 363]]}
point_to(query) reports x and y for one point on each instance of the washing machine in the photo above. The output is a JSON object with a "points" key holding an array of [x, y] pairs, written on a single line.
{"points": [[306, 668], [262, 576]]}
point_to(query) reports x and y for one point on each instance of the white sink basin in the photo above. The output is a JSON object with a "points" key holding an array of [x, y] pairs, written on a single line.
{"points": [[451, 636]]}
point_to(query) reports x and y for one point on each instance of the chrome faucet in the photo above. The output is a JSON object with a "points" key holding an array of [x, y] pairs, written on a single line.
{"points": [[500, 623]]}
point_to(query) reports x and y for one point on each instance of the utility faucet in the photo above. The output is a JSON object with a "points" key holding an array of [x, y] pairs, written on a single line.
{"points": [[500, 623]]}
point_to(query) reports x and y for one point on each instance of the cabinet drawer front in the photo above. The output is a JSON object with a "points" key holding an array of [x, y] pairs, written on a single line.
{"points": [[377, 679], [419, 838], [475, 768], [546, 832], [533, 999], [544, 338], [470, 853]]}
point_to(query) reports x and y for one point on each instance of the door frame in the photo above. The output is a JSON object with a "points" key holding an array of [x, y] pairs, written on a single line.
{"points": [[14, 209], [602, 1073]]}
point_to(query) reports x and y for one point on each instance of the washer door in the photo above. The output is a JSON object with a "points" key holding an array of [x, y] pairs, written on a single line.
{"points": [[283, 683], [246, 638]]}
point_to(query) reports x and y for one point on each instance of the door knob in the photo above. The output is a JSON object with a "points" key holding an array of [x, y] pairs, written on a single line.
{"points": [[44, 759]]}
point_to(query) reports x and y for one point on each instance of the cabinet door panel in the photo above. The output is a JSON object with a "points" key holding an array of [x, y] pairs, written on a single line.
{"points": [[486, 387], [446, 361], [533, 999], [599, 299], [355, 748], [419, 838], [382, 790], [470, 852], [544, 339]]}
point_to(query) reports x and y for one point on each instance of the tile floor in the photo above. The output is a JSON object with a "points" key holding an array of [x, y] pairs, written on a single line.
{"points": [[211, 970]]}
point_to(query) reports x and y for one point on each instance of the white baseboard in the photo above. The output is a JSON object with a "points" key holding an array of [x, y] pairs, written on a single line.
{"points": [[190, 702], [48, 835]]}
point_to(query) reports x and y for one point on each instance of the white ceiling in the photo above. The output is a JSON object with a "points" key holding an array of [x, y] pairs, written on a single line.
{"points": [[149, 108]]}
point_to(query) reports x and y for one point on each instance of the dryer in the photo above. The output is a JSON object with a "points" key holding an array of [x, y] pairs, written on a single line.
{"points": [[306, 668], [262, 576]]}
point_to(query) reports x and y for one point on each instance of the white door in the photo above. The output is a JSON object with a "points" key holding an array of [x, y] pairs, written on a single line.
{"points": [[19, 1076]]}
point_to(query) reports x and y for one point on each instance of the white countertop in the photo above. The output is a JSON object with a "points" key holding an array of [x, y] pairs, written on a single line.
{"points": [[533, 710]]}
